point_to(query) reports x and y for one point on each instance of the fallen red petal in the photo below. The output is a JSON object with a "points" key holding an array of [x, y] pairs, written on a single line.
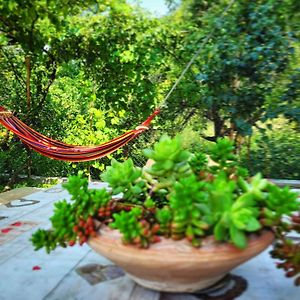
{"points": [[6, 230], [36, 268], [16, 224]]}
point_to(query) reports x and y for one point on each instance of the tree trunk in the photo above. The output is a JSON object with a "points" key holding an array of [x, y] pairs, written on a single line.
{"points": [[218, 123], [28, 97], [28, 74]]}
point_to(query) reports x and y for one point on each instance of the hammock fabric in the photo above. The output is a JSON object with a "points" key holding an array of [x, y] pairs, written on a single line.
{"points": [[66, 152]]}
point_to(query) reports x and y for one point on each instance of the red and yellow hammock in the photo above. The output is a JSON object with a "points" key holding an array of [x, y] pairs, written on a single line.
{"points": [[66, 152]]}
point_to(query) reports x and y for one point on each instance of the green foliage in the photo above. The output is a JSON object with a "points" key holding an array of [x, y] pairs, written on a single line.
{"points": [[122, 173], [274, 154], [218, 199], [43, 238], [222, 152], [169, 157], [71, 221], [242, 214], [63, 220], [125, 178], [198, 161], [126, 61], [128, 224], [134, 228], [203, 200], [278, 203], [22, 182], [76, 186], [167, 149], [234, 216], [73, 97], [235, 79], [191, 213], [164, 218], [286, 249]]}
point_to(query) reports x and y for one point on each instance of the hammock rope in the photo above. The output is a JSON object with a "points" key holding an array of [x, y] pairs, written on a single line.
{"points": [[66, 152]]}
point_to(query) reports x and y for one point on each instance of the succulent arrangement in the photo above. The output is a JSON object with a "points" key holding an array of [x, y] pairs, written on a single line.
{"points": [[182, 195]]}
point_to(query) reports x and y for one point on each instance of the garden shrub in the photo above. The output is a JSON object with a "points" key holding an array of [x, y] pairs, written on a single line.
{"points": [[274, 153]]}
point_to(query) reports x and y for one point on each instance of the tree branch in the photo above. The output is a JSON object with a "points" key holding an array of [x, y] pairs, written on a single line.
{"points": [[28, 74], [18, 77], [188, 117], [51, 80], [209, 138]]}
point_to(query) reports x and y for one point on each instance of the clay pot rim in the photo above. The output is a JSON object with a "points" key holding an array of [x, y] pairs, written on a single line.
{"points": [[209, 244]]}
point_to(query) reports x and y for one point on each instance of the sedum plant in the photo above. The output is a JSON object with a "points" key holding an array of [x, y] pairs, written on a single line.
{"points": [[182, 195]]}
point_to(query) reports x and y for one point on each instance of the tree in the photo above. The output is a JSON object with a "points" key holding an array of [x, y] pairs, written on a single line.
{"points": [[239, 67], [77, 73], [27, 29]]}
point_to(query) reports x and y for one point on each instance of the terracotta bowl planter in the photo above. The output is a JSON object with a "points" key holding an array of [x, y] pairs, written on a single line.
{"points": [[175, 266]]}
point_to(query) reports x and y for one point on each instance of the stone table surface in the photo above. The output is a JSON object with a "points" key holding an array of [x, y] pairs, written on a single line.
{"points": [[79, 273]]}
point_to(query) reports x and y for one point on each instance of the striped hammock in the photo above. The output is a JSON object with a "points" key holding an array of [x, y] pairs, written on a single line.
{"points": [[66, 152]]}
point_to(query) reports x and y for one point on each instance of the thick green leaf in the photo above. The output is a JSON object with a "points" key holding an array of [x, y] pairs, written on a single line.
{"points": [[238, 237], [253, 225], [220, 232]]}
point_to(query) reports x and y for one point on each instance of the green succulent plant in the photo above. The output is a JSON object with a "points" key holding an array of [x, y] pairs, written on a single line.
{"points": [[125, 178], [182, 195], [170, 159]]}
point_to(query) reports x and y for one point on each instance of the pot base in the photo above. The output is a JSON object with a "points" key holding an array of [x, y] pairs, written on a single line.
{"points": [[168, 286], [176, 266]]}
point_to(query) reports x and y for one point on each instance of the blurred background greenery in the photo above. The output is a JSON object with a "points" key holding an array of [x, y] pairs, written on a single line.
{"points": [[86, 72]]}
